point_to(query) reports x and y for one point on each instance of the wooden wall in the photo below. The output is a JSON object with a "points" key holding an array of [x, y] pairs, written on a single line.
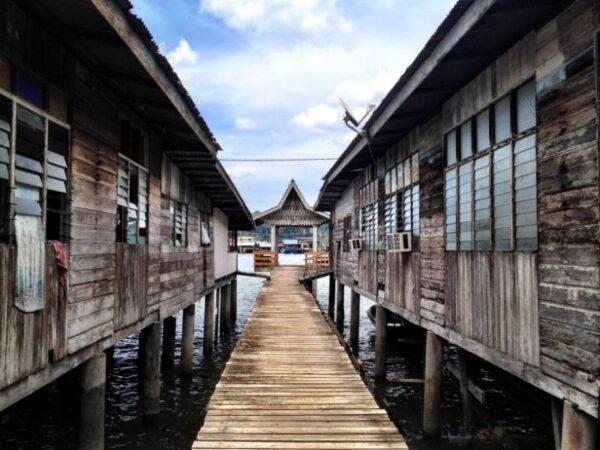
{"points": [[568, 198], [111, 289]]}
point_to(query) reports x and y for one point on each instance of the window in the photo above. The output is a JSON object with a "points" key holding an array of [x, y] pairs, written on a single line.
{"points": [[491, 197], [178, 213], [466, 140], [41, 156], [205, 238], [132, 202], [390, 214], [232, 238], [347, 229], [5, 146], [368, 226], [30, 90]]}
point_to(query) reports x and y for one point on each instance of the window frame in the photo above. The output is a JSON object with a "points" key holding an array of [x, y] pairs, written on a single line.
{"points": [[346, 233], [17, 102], [139, 167], [174, 204], [511, 141]]}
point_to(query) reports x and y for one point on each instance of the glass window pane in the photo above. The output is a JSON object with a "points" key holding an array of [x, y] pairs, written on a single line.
{"points": [[466, 140], [483, 130], [502, 129], [526, 107], [451, 148]]}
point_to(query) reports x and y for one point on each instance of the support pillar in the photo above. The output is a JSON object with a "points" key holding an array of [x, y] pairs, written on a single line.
{"points": [[313, 287], [91, 422], [209, 323], [380, 332], [274, 238], [579, 430], [556, 407], [339, 313], [168, 342], [464, 388], [354, 320], [225, 314], [331, 302], [150, 342], [187, 339], [432, 418], [233, 301], [315, 239]]}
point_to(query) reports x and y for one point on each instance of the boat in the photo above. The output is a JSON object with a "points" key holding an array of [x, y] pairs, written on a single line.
{"points": [[396, 323]]}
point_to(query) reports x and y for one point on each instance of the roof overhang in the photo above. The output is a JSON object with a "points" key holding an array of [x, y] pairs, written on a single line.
{"points": [[118, 48], [473, 35]]}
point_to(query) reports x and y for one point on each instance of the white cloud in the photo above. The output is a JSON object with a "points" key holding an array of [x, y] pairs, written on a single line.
{"points": [[245, 123], [316, 117], [277, 15], [364, 91], [183, 54]]}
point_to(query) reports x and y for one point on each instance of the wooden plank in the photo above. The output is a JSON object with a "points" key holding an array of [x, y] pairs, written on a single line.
{"points": [[290, 384]]}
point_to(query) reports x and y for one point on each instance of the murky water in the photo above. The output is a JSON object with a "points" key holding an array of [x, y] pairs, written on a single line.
{"points": [[48, 418]]}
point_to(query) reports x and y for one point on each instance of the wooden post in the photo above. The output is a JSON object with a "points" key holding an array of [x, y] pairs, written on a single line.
{"points": [[150, 341], [233, 301], [313, 287], [315, 239], [464, 388], [354, 320], [432, 418], [380, 331], [91, 416], [274, 238], [209, 323], [331, 303], [168, 342], [225, 314], [339, 313], [218, 299], [579, 430], [556, 407], [187, 339]]}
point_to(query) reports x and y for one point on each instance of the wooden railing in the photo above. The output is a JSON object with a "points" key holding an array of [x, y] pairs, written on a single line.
{"points": [[316, 261], [265, 259]]}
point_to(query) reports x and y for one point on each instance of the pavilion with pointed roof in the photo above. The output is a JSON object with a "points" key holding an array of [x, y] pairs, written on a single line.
{"points": [[291, 211]]}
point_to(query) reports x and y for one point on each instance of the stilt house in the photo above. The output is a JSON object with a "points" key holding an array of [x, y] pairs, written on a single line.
{"points": [[470, 206], [114, 210]]}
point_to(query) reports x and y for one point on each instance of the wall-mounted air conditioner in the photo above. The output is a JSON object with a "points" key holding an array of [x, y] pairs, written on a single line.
{"points": [[399, 242], [356, 244]]}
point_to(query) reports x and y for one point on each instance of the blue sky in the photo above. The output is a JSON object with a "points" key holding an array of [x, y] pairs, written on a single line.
{"points": [[266, 75]]}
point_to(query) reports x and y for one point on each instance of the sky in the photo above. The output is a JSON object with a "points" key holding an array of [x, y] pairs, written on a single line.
{"points": [[267, 75]]}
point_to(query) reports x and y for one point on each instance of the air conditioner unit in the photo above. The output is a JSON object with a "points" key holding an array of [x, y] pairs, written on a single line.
{"points": [[399, 242], [356, 244]]}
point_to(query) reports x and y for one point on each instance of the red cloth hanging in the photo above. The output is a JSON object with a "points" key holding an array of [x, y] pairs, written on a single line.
{"points": [[62, 259]]}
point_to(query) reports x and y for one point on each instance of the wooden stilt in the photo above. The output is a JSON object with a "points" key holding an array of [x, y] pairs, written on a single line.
{"points": [[331, 302], [187, 339], [432, 418], [354, 320], [150, 341], [168, 342], [380, 332], [556, 407], [209, 323], [225, 314], [91, 422], [313, 288], [339, 313], [233, 301], [464, 388], [579, 430]]}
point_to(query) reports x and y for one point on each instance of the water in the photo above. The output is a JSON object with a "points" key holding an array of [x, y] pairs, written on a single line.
{"points": [[48, 419]]}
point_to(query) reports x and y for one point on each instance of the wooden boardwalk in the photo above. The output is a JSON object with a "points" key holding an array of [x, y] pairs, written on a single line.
{"points": [[290, 384]]}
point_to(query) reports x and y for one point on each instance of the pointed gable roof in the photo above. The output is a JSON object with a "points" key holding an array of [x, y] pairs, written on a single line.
{"points": [[292, 210]]}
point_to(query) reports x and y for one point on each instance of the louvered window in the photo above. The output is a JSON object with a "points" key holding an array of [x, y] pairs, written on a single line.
{"points": [[5, 152], [132, 202], [495, 207], [368, 226], [390, 219], [179, 223], [347, 230]]}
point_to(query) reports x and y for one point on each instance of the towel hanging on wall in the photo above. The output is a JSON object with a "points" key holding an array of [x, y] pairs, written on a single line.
{"points": [[30, 263]]}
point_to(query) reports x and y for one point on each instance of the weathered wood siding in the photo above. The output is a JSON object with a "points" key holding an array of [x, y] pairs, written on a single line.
{"points": [[345, 263], [569, 251], [130, 284], [30, 341]]}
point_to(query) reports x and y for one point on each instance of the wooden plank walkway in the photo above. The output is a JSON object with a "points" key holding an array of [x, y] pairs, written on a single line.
{"points": [[290, 384]]}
